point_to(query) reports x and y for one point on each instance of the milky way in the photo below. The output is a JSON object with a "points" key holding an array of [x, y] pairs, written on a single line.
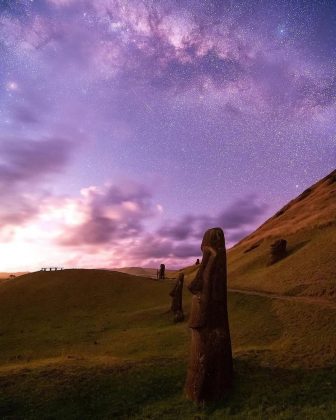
{"points": [[129, 127]]}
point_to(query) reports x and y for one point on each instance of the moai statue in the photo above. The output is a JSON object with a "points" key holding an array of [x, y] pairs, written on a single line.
{"points": [[197, 261], [176, 294], [210, 370], [278, 250], [162, 272]]}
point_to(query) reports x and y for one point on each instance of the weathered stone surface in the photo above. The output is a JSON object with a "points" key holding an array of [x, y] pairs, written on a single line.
{"points": [[162, 271], [176, 294], [210, 368], [278, 250]]}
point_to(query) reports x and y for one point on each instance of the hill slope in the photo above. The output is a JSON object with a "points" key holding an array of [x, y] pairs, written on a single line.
{"points": [[49, 314], [102, 344], [145, 272], [5, 276], [308, 223]]}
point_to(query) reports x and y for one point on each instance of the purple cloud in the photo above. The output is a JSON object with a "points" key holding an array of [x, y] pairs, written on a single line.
{"points": [[242, 212], [25, 115], [112, 213], [18, 210], [153, 247], [235, 220], [179, 230], [181, 239], [26, 165], [187, 250], [116, 218], [26, 160]]}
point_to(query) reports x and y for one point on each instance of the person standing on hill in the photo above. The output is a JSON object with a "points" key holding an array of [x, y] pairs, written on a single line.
{"points": [[210, 370]]}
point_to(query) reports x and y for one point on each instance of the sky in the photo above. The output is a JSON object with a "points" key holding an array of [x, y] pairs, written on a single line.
{"points": [[128, 128]]}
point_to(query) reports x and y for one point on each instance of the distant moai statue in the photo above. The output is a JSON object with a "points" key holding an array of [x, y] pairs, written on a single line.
{"points": [[197, 261], [162, 271], [210, 370], [176, 294], [278, 250]]}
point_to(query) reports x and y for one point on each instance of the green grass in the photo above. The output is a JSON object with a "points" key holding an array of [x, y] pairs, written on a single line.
{"points": [[309, 269], [97, 344], [308, 224], [153, 390]]}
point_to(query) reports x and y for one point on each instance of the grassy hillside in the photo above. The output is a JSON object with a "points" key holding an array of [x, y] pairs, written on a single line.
{"points": [[313, 208], [145, 272], [308, 223], [101, 344], [5, 276]]}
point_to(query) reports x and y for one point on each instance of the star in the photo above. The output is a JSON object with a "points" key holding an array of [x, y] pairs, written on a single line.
{"points": [[12, 86]]}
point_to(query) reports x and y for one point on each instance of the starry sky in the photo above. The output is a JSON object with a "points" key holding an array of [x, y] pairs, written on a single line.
{"points": [[127, 128]]}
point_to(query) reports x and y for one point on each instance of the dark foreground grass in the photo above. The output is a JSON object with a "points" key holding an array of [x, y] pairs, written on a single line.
{"points": [[100, 345], [154, 390]]}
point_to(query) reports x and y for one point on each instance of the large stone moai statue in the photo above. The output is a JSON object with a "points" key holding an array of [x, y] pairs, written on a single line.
{"points": [[176, 294], [278, 250], [162, 271], [210, 370]]}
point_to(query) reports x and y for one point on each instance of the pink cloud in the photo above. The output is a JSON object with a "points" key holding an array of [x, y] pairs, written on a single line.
{"points": [[108, 226]]}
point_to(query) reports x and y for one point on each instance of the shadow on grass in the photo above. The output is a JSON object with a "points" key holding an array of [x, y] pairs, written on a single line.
{"points": [[294, 248], [154, 390], [271, 392]]}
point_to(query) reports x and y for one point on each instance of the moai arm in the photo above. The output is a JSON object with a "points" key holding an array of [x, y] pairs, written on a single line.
{"points": [[202, 290], [207, 274], [197, 284], [174, 289]]}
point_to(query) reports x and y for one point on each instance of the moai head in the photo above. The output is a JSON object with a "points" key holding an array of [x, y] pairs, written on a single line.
{"points": [[180, 278], [278, 250], [213, 238]]}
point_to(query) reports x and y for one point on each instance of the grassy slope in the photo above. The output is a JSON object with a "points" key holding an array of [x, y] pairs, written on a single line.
{"points": [[5, 276], [308, 223], [145, 272], [100, 344], [309, 269]]}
